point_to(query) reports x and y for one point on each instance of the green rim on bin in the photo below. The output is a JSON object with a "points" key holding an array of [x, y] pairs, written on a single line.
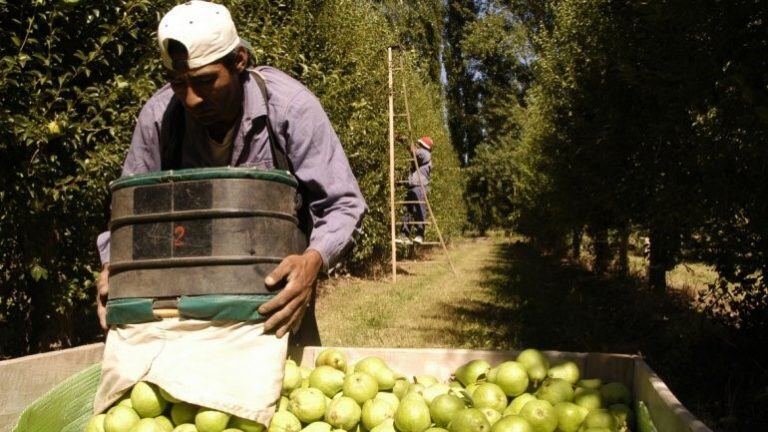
{"points": [[212, 307], [158, 177]]}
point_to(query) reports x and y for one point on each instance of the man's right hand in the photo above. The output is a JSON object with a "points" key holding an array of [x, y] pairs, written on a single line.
{"points": [[101, 296]]}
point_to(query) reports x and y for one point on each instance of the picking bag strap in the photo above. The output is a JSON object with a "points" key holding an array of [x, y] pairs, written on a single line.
{"points": [[278, 153], [172, 132]]}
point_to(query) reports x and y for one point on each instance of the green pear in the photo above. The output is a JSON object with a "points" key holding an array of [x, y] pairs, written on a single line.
{"points": [[146, 400], [284, 421], [165, 424], [147, 425], [511, 376], [569, 416], [120, 419], [291, 377], [183, 413], [469, 420], [343, 413], [471, 371], [588, 398], [374, 412], [491, 415], [318, 426], [555, 390], [246, 425], [535, 363], [211, 420], [386, 378], [186, 427], [444, 408], [518, 403], [283, 404], [401, 388], [360, 386], [594, 383], [333, 358], [95, 424], [327, 379], [568, 371], [600, 418], [389, 398], [412, 415], [541, 415], [512, 423], [308, 405], [489, 395], [436, 429], [370, 364], [425, 380], [435, 390], [387, 425]]}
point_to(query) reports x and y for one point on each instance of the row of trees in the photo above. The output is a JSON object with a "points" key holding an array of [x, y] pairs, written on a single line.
{"points": [[74, 75], [613, 117]]}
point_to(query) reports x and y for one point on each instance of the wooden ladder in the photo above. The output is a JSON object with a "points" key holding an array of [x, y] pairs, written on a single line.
{"points": [[392, 182]]}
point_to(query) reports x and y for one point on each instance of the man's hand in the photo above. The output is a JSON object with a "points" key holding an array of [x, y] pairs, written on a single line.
{"points": [[287, 308], [101, 296]]}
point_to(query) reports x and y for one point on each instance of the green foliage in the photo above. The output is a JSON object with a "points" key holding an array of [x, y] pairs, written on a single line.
{"points": [[75, 74], [599, 115]]}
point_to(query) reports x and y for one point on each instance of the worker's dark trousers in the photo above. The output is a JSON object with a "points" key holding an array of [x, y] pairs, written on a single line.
{"points": [[414, 213]]}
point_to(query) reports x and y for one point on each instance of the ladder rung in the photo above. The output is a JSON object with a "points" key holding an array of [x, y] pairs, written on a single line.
{"points": [[427, 243], [414, 223], [414, 262], [402, 182], [410, 202]]}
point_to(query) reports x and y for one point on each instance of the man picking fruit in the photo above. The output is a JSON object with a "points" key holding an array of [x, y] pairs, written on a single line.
{"points": [[218, 111], [223, 120]]}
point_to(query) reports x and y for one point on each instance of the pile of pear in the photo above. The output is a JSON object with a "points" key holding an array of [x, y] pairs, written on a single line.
{"points": [[526, 394]]}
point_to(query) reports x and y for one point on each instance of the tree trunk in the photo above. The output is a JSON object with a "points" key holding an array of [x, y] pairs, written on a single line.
{"points": [[659, 260], [602, 251], [576, 243], [622, 265]]}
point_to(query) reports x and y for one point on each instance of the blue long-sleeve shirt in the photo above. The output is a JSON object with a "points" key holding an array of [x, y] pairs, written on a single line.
{"points": [[301, 127], [423, 170]]}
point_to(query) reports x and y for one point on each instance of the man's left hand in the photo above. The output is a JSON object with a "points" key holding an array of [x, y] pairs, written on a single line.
{"points": [[287, 308]]}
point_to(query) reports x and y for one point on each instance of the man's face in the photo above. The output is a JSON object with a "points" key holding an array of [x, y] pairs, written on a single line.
{"points": [[211, 93]]}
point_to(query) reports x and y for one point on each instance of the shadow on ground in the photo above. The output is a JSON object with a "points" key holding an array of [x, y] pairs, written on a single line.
{"points": [[546, 303]]}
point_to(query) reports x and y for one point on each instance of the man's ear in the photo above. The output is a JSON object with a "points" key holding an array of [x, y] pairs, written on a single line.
{"points": [[241, 59]]}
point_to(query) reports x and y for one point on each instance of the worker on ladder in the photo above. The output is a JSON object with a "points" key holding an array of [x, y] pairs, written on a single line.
{"points": [[418, 185]]}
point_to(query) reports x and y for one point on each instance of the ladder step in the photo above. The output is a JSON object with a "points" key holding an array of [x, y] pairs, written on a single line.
{"points": [[414, 223], [410, 202]]}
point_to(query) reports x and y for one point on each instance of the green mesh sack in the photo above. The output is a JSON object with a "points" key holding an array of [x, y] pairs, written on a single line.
{"points": [[65, 408]]}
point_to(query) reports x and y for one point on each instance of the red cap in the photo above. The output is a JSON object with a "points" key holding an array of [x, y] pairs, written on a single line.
{"points": [[425, 142]]}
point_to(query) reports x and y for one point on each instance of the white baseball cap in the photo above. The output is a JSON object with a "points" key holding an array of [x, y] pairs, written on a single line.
{"points": [[206, 30]]}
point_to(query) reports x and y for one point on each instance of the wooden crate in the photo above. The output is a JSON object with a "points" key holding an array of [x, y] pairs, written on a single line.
{"points": [[24, 380]]}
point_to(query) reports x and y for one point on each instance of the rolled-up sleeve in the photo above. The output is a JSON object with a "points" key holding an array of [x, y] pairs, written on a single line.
{"points": [[335, 202]]}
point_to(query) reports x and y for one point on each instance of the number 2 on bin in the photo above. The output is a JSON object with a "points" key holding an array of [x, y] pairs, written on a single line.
{"points": [[178, 235]]}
